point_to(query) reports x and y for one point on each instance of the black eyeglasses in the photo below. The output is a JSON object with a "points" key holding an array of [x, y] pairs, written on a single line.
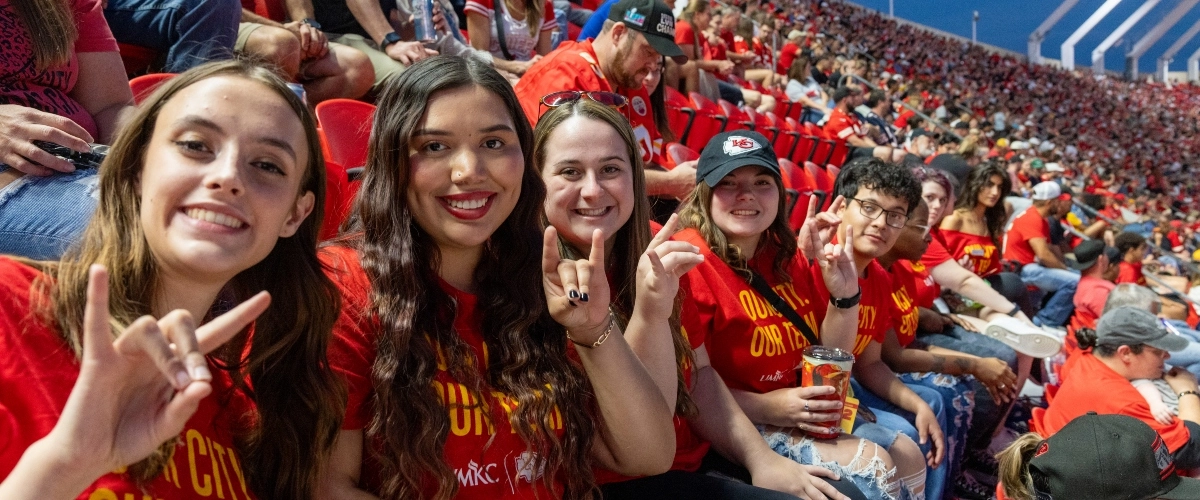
{"points": [[872, 211]]}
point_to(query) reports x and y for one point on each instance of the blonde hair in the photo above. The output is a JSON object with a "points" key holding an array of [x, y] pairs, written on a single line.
{"points": [[1014, 467]]}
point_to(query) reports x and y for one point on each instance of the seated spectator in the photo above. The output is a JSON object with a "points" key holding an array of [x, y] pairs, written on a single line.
{"points": [[1133, 248], [1091, 260], [803, 89], [1098, 457], [629, 48], [68, 88], [973, 231], [878, 117], [526, 32], [1028, 243], [707, 65], [1128, 344], [303, 55], [186, 32], [844, 124]]}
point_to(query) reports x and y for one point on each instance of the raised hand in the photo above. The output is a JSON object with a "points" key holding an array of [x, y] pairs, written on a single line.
{"points": [[576, 290], [137, 392], [660, 267], [818, 228], [837, 267]]}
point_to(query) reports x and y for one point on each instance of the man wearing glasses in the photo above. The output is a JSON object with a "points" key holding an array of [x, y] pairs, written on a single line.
{"points": [[879, 198], [632, 43]]}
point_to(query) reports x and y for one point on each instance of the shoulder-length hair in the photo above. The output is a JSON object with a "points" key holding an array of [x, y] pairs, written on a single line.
{"points": [[283, 368], [526, 347], [995, 216], [696, 212], [630, 242], [51, 28]]}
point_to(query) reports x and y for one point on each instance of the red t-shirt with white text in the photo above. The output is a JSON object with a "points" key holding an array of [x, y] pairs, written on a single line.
{"points": [[843, 125], [38, 372]]}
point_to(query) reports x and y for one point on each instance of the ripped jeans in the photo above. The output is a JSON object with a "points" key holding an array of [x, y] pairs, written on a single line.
{"points": [[870, 474]]}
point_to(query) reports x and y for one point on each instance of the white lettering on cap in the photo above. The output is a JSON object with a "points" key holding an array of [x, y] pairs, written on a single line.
{"points": [[666, 25], [736, 145]]}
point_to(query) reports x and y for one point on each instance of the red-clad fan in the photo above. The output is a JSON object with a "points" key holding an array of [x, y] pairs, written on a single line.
{"points": [[972, 231], [1133, 248]]}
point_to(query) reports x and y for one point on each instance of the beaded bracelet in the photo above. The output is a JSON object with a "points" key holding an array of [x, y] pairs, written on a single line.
{"points": [[603, 336], [1185, 393]]}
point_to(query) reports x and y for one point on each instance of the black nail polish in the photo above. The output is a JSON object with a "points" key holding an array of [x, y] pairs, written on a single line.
{"points": [[584, 298], [573, 294], [572, 302]]}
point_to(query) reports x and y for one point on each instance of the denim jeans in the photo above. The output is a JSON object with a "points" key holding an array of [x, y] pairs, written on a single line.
{"points": [[189, 32], [41, 216], [988, 414], [896, 419], [1060, 284], [958, 402]]}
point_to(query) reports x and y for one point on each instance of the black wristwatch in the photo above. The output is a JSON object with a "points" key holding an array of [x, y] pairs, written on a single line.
{"points": [[1016, 309], [312, 23], [389, 39], [847, 302]]}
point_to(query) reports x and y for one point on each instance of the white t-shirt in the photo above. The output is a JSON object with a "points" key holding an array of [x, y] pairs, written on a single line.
{"points": [[809, 88], [520, 45]]}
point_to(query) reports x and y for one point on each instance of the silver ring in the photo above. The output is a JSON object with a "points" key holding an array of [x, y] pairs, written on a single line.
{"points": [[806, 406], [1002, 386]]}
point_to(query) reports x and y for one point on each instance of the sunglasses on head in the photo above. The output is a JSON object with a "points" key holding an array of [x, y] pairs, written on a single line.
{"points": [[610, 99]]}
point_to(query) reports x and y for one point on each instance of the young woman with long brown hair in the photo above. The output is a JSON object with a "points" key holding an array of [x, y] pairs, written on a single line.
{"points": [[211, 195], [460, 380]]}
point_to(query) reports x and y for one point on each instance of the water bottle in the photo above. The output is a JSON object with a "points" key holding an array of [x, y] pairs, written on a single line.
{"points": [[423, 20]]}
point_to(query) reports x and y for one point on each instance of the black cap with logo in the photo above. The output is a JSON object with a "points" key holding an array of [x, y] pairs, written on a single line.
{"points": [[652, 18], [1103, 457], [733, 150]]}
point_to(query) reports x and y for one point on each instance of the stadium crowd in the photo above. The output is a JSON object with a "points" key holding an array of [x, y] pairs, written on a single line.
{"points": [[586, 250]]}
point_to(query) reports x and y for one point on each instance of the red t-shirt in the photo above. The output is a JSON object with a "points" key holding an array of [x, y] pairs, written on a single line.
{"points": [[975, 252], [843, 125], [1090, 385], [753, 346], [489, 458], [874, 309], [1090, 295], [1131, 272], [926, 289], [787, 55], [49, 90], [573, 66], [936, 253], [37, 375], [905, 302], [685, 34], [1029, 225]]}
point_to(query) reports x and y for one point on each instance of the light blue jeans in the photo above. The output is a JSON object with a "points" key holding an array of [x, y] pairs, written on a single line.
{"points": [[40, 217], [189, 32], [1189, 358], [892, 419], [870, 479], [1060, 283]]}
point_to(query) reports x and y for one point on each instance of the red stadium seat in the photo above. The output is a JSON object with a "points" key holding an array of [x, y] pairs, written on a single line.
{"points": [[143, 86], [346, 127], [738, 119], [274, 10], [710, 121], [786, 141], [841, 150], [822, 179], [800, 181], [680, 114], [678, 153], [136, 59], [823, 148], [763, 124], [339, 196]]}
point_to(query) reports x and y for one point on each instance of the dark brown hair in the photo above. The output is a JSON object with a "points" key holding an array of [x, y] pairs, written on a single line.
{"points": [[696, 212], [526, 347], [995, 216], [284, 368]]}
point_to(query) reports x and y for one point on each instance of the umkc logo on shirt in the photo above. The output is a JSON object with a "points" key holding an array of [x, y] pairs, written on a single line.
{"points": [[526, 466]]}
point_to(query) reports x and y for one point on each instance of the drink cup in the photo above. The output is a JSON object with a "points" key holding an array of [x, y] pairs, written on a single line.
{"points": [[827, 366]]}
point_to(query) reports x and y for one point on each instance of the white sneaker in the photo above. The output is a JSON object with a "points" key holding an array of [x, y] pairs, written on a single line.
{"points": [[1023, 338]]}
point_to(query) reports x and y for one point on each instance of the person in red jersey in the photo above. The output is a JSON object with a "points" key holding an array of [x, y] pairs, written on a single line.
{"points": [[973, 231], [116, 381], [1093, 290], [455, 329], [1133, 248], [736, 217], [632, 43]]}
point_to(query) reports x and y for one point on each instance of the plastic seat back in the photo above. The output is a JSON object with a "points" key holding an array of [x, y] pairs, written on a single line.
{"points": [[680, 114], [738, 119], [145, 85], [678, 153], [710, 121], [346, 127]]}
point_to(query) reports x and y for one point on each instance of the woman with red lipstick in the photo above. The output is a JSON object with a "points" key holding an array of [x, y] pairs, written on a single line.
{"points": [[211, 196], [456, 328], [588, 158], [973, 231], [736, 217]]}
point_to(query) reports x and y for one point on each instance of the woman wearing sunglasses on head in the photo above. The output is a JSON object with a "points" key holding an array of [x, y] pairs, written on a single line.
{"points": [[456, 326], [212, 196], [737, 218], [588, 159]]}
